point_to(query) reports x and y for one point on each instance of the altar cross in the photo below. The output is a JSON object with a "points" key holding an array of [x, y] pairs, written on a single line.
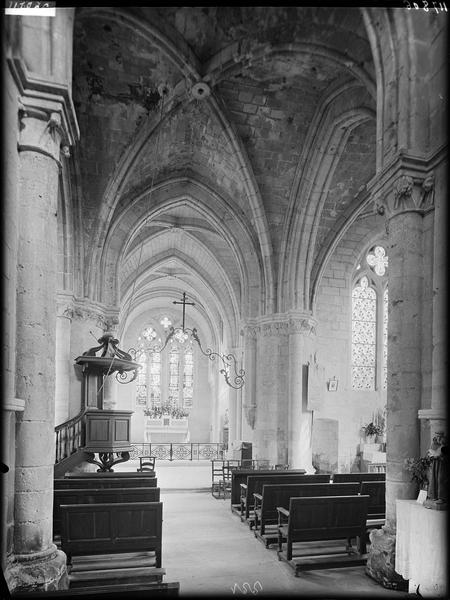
{"points": [[184, 302]]}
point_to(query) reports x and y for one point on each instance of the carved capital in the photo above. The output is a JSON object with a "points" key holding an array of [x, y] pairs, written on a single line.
{"points": [[88, 314], [274, 328], [111, 322], [47, 102], [91, 312], [250, 331], [407, 194], [305, 325], [65, 311]]}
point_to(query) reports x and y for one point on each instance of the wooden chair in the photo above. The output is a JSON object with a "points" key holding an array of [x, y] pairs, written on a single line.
{"points": [[318, 531], [225, 483], [216, 476], [146, 463]]}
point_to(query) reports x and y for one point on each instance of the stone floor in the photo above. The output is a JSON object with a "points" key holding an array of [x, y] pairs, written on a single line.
{"points": [[212, 553]]}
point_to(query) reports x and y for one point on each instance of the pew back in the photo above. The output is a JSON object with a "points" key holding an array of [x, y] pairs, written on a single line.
{"points": [[317, 518], [376, 490], [349, 477], [274, 495], [255, 484], [239, 476], [109, 528], [104, 482], [106, 474], [98, 496], [320, 518]]}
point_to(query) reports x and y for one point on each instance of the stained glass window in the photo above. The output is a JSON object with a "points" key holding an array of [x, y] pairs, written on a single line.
{"points": [[167, 376], [155, 378], [378, 260], [385, 334], [174, 374], [141, 380], [370, 321], [188, 378], [364, 313]]}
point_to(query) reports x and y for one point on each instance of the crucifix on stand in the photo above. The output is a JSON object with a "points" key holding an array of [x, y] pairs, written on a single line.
{"points": [[184, 302]]}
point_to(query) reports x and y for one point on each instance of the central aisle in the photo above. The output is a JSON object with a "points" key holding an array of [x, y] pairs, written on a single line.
{"points": [[210, 552]]}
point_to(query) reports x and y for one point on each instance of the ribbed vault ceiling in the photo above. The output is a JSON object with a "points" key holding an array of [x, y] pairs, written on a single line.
{"points": [[235, 195]]}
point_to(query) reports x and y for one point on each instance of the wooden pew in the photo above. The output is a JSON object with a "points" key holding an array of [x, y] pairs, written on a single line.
{"points": [[349, 477], [104, 482], [90, 474], [376, 512], [112, 543], [323, 520], [98, 496], [131, 591], [275, 495], [239, 476], [255, 483]]}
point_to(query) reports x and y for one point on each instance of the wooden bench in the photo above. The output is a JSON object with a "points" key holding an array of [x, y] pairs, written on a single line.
{"points": [[255, 484], [316, 523], [275, 495], [131, 591], [147, 464], [349, 477], [239, 476], [376, 512], [112, 543], [104, 482], [113, 474], [98, 496]]}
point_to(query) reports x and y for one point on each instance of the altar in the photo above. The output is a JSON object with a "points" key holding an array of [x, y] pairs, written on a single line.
{"points": [[420, 550], [166, 430]]}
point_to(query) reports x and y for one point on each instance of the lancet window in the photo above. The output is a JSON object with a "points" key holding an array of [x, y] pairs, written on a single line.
{"points": [[370, 321]]}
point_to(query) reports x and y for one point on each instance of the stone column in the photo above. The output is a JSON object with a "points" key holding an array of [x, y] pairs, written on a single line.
{"points": [[38, 563], [63, 362], [272, 405], [301, 330], [234, 424], [404, 206], [436, 415], [249, 389]]}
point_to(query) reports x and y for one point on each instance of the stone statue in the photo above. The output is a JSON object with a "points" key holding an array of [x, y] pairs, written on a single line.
{"points": [[437, 495]]}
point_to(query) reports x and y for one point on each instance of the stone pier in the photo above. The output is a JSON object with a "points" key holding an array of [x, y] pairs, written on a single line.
{"points": [[404, 204]]}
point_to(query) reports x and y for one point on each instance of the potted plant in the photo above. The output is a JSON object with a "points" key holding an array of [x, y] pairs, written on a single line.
{"points": [[419, 469], [371, 430]]}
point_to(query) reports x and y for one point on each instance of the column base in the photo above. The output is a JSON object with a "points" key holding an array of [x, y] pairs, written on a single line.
{"points": [[43, 571], [380, 564]]}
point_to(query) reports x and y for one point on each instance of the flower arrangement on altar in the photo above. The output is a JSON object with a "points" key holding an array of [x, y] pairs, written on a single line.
{"points": [[166, 410]]}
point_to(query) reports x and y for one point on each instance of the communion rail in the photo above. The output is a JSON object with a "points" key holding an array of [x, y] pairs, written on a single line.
{"points": [[178, 451]]}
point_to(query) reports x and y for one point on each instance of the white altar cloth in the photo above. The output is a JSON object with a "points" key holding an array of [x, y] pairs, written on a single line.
{"points": [[421, 548]]}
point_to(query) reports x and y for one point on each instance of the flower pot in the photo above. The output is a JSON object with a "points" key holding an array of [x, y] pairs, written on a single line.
{"points": [[370, 439]]}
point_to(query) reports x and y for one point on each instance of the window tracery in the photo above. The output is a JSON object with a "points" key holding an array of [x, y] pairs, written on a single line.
{"points": [[369, 322], [165, 377]]}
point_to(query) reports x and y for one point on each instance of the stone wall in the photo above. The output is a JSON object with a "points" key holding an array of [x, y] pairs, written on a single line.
{"points": [[351, 409]]}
